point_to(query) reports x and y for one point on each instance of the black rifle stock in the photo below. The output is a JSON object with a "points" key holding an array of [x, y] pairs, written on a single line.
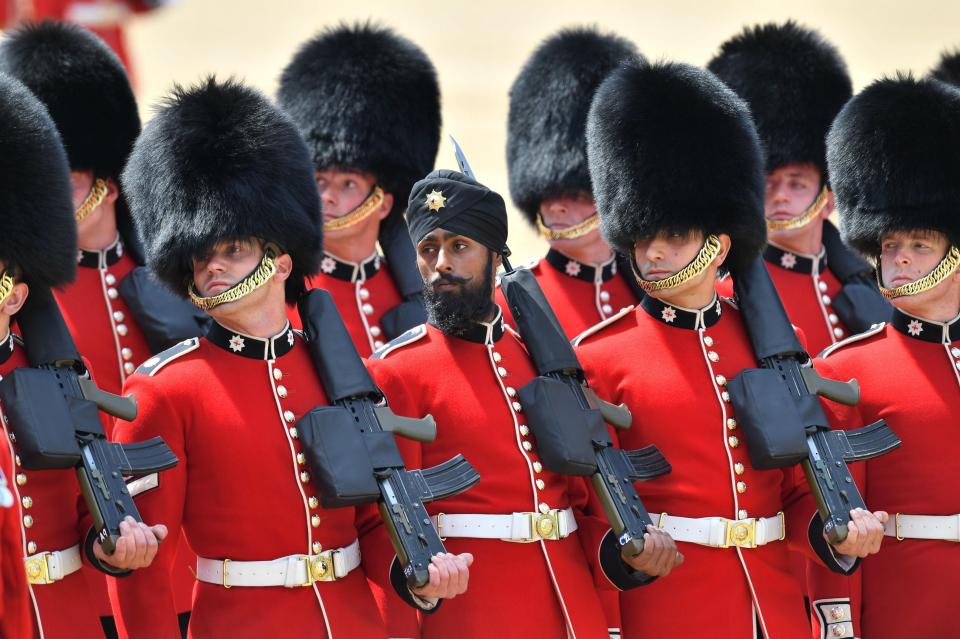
{"points": [[352, 451], [778, 407], [53, 410]]}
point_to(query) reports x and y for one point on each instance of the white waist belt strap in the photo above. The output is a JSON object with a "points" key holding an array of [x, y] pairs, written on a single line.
{"points": [[719, 532], [49, 567], [944, 527], [517, 527], [289, 572]]}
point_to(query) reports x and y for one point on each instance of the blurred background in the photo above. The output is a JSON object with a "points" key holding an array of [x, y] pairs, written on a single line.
{"points": [[479, 47]]}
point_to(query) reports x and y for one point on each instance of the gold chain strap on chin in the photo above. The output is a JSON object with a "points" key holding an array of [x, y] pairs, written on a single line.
{"points": [[710, 250], [357, 215], [6, 286], [944, 269], [94, 199], [571, 232], [241, 289], [804, 218]]}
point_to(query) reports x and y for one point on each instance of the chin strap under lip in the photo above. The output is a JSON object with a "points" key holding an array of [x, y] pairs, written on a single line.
{"points": [[708, 252], [570, 232], [94, 199], [804, 218], [257, 278], [941, 272], [362, 211]]}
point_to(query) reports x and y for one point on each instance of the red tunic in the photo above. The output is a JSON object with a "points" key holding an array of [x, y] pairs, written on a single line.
{"points": [[670, 366], [908, 374], [50, 510], [227, 405], [362, 292], [580, 294], [542, 589]]}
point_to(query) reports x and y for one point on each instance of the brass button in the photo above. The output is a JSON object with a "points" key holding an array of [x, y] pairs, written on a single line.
{"points": [[110, 279], [377, 345], [836, 613], [708, 341], [741, 514], [27, 502], [825, 299], [838, 332], [375, 331], [294, 433], [721, 380], [21, 479], [31, 547], [527, 446], [604, 296], [317, 547], [497, 357], [712, 355], [313, 501], [121, 329], [955, 351], [838, 631], [277, 374], [126, 353], [725, 396], [364, 294], [27, 521], [118, 316], [112, 293], [128, 368], [607, 309], [540, 484], [731, 423], [733, 441], [537, 467], [315, 521], [305, 477], [512, 392], [289, 416], [738, 468], [741, 487], [501, 371], [834, 319], [822, 286], [16, 458], [301, 459], [524, 430], [517, 407], [282, 391], [544, 508], [367, 309]]}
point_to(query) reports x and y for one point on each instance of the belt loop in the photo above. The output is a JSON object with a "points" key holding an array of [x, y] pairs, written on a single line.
{"points": [[783, 525], [660, 521], [899, 536], [224, 575], [439, 526]]}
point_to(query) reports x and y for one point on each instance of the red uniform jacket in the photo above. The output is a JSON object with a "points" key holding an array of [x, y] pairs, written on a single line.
{"points": [[227, 405], [670, 366], [468, 384], [908, 374], [580, 294], [15, 602], [50, 510], [362, 292]]}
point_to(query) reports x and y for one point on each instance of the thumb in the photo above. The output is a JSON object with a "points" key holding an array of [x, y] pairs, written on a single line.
{"points": [[882, 515], [159, 531], [467, 557]]}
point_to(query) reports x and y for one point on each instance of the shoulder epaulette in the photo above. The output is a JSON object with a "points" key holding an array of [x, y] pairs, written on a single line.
{"points": [[873, 330], [529, 264], [596, 328], [155, 363], [415, 333]]}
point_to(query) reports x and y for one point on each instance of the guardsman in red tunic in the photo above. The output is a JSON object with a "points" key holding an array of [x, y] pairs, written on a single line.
{"points": [[795, 83], [678, 174], [584, 281], [895, 169], [222, 185], [367, 102], [38, 249], [524, 523], [15, 619]]}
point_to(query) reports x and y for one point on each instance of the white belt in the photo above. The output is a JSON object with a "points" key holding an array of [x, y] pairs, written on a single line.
{"points": [[49, 567], [945, 527], [519, 527], [718, 532], [289, 572]]}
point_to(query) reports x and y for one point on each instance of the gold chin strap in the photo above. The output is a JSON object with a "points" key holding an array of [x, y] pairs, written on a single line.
{"points": [[571, 232], [94, 198], [6, 286], [804, 218], [260, 276], [357, 215], [944, 269], [710, 250]]}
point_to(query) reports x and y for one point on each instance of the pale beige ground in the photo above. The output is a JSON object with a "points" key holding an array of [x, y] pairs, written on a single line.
{"points": [[479, 46]]}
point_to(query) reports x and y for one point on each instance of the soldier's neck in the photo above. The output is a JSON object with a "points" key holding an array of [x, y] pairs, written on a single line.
{"points": [[594, 251], [4, 326], [99, 229], [257, 319], [693, 296], [804, 241], [352, 249], [939, 308]]}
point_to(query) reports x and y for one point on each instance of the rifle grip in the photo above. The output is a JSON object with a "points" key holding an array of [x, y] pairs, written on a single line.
{"points": [[846, 393], [618, 416], [124, 408], [423, 430]]}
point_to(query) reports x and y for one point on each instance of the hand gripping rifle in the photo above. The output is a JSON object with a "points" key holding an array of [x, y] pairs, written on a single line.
{"points": [[53, 407], [778, 407], [859, 302], [567, 417], [351, 446]]}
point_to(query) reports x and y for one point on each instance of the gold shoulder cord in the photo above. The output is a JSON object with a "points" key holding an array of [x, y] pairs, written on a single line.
{"points": [[94, 198], [357, 215], [944, 269], [260, 276], [6, 286], [710, 250], [571, 232], [804, 218]]}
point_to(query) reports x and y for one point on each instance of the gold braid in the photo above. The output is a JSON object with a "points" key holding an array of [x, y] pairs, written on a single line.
{"points": [[6, 286], [710, 250], [94, 198], [571, 232], [260, 276], [804, 218], [357, 215], [944, 269]]}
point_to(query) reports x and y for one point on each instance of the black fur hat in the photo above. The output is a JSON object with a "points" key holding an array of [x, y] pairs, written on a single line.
{"points": [[948, 68], [366, 98], [219, 161], [672, 148], [549, 101], [37, 233], [795, 83], [894, 161]]}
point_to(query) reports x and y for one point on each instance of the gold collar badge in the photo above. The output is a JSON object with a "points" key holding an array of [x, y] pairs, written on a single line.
{"points": [[435, 200]]}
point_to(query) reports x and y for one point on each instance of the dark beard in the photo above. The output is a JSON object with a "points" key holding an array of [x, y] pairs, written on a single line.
{"points": [[456, 313]]}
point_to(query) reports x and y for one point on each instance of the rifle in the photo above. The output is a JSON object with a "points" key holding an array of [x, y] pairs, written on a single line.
{"points": [[402, 262], [859, 303], [352, 450], [53, 409], [778, 407], [164, 318]]}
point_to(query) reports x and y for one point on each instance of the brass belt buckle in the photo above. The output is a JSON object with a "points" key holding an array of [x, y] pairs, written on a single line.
{"points": [[741, 533], [38, 571], [320, 567], [545, 525]]}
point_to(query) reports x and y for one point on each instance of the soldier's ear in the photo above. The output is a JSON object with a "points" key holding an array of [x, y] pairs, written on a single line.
{"points": [[284, 266], [113, 191], [725, 244], [14, 302], [829, 206], [386, 206]]}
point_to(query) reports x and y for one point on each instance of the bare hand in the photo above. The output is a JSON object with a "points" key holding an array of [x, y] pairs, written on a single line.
{"points": [[659, 556], [136, 547], [864, 534], [449, 575]]}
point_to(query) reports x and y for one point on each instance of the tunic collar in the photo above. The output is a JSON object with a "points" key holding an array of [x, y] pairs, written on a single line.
{"points": [[350, 271], [250, 346], [926, 330], [796, 262], [683, 317], [6, 346], [580, 270], [103, 257], [484, 332]]}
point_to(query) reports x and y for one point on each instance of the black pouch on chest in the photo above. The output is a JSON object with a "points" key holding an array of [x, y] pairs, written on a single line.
{"points": [[860, 305], [561, 426], [41, 419], [775, 435]]}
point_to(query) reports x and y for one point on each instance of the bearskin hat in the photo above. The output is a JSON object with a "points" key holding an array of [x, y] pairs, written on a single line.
{"points": [[549, 101], [795, 83], [672, 148], [366, 98], [219, 161], [948, 68], [894, 161], [39, 236]]}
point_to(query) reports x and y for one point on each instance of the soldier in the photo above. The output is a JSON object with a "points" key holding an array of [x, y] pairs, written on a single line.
{"points": [[795, 83], [547, 159], [895, 169], [367, 102], [525, 521], [678, 174], [38, 249], [15, 620], [222, 185]]}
